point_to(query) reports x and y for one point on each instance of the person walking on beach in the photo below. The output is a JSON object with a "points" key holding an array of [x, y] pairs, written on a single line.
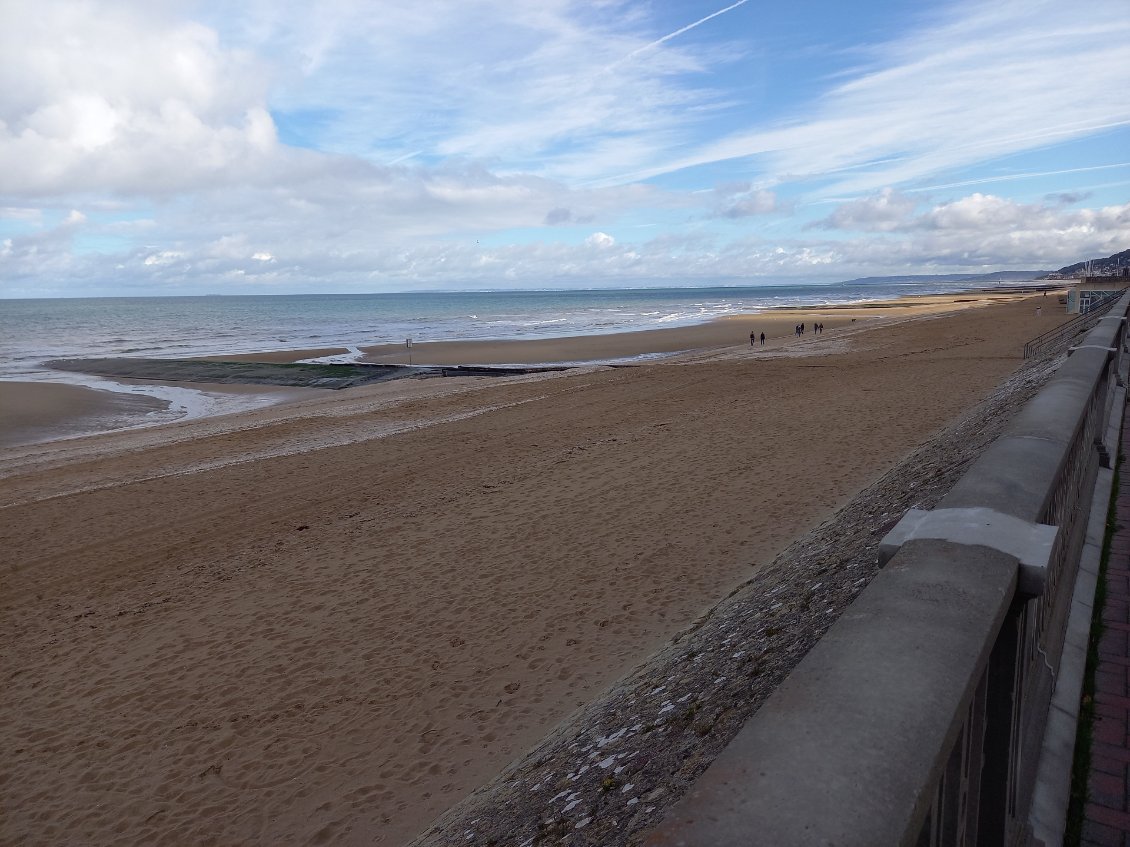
{"points": [[763, 339], [752, 338]]}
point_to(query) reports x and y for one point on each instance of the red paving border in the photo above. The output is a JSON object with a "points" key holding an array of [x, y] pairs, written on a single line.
{"points": [[1107, 821]]}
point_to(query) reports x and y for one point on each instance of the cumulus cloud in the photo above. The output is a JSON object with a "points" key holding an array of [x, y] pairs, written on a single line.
{"points": [[883, 212], [945, 240], [122, 97], [978, 218], [983, 212]]}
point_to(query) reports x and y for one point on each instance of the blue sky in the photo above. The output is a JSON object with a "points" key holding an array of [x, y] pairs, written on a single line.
{"points": [[279, 147]]}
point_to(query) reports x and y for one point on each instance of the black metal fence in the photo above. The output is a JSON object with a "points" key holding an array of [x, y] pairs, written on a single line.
{"points": [[1054, 340]]}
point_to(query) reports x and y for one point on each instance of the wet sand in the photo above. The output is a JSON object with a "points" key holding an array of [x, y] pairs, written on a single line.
{"points": [[32, 412], [778, 326], [329, 621]]}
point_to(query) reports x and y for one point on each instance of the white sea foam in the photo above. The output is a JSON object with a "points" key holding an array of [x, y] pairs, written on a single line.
{"points": [[354, 355]]}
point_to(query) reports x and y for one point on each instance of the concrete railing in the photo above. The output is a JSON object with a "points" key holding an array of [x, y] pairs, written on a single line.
{"points": [[919, 718]]}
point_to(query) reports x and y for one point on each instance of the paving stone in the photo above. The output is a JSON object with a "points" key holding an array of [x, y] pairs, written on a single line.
{"points": [[1101, 763], [1100, 835], [1113, 700], [1107, 790], [1110, 681], [1110, 730], [1113, 643], [1106, 819], [1111, 710], [1111, 817]]}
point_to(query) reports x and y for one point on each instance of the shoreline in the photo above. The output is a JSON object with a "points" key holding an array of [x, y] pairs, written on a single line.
{"points": [[38, 412], [380, 598], [650, 344], [632, 347]]}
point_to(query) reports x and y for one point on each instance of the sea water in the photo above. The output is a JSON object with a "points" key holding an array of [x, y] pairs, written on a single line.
{"points": [[35, 331]]}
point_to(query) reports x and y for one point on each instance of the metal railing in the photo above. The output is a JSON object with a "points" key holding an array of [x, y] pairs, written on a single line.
{"points": [[919, 718], [1054, 340], [1020, 673]]}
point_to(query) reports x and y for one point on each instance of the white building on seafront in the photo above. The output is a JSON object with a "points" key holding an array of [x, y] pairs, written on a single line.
{"points": [[1088, 290]]}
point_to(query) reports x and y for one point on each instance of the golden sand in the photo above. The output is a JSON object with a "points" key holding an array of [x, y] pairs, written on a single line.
{"points": [[329, 621]]}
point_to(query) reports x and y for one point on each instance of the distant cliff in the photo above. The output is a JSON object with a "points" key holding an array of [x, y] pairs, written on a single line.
{"points": [[995, 276], [1111, 265]]}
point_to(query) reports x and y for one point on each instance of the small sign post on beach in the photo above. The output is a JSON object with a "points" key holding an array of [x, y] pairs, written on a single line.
{"points": [[408, 344]]}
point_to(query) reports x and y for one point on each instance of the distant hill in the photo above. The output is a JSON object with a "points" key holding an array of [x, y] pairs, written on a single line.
{"points": [[1100, 267], [996, 276]]}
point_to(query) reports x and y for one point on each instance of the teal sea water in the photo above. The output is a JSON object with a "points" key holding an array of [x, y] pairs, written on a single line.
{"points": [[35, 331]]}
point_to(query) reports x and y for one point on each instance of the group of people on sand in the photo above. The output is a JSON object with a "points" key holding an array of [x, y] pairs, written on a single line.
{"points": [[817, 329]]}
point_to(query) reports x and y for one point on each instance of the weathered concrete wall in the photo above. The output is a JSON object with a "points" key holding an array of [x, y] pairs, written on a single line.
{"points": [[883, 686], [852, 748]]}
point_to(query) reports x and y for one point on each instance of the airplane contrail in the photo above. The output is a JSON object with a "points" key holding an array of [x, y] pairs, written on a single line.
{"points": [[681, 30], [1023, 175]]}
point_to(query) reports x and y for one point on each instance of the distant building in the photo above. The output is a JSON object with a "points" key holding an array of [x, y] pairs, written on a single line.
{"points": [[1082, 295]]}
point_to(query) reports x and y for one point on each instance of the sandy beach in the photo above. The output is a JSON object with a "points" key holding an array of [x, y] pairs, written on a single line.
{"points": [[328, 621], [40, 411]]}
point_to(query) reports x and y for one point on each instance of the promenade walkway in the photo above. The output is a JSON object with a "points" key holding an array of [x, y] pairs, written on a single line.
{"points": [[1107, 821]]}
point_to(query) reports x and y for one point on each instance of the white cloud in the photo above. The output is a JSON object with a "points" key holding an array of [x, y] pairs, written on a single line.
{"points": [[743, 201], [972, 234], [123, 97], [985, 225], [554, 88], [164, 257], [140, 147], [981, 81], [986, 232], [984, 212], [888, 210]]}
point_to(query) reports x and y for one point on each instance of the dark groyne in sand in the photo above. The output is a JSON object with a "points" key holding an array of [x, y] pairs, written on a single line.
{"points": [[290, 375]]}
